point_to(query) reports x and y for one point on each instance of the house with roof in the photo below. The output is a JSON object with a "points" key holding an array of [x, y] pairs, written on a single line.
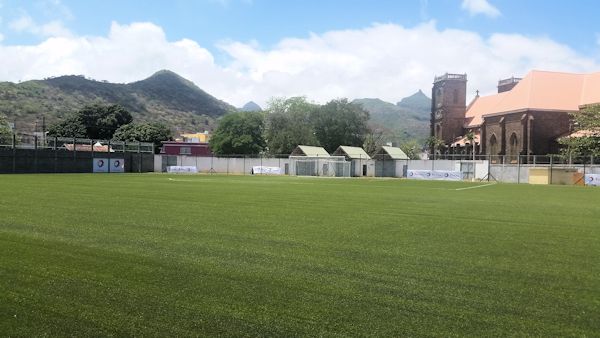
{"points": [[309, 151], [525, 117], [390, 161], [361, 163]]}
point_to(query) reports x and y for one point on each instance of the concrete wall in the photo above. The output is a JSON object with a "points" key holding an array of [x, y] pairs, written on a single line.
{"points": [[358, 168], [506, 173], [224, 165]]}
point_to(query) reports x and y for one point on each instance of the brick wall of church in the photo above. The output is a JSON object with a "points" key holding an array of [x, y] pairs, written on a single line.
{"points": [[512, 133], [546, 128]]}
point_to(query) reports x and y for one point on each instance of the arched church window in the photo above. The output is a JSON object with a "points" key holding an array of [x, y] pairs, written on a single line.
{"points": [[493, 145], [513, 142]]}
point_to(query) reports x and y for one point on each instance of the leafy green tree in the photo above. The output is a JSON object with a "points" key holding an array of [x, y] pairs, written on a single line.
{"points": [[288, 124], [144, 132], [340, 122], [587, 123], [239, 133], [412, 149], [436, 145], [94, 122], [71, 126], [6, 134], [101, 122], [375, 137]]}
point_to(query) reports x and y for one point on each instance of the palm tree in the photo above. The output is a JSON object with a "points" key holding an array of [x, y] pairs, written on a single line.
{"points": [[471, 137], [435, 144]]}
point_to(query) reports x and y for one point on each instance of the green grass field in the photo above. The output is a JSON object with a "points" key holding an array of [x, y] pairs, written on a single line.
{"points": [[159, 255]]}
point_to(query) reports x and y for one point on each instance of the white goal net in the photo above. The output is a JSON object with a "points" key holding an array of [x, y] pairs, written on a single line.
{"points": [[334, 166]]}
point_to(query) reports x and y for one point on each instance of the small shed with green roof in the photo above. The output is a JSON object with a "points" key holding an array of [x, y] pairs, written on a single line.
{"points": [[390, 162], [361, 163], [310, 151]]}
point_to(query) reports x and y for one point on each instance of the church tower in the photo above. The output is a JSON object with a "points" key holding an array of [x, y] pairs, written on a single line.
{"points": [[448, 106]]}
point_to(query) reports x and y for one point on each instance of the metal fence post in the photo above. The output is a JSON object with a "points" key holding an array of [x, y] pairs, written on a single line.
{"points": [[35, 153], [518, 169], [55, 154], [74, 152], [584, 171], [140, 156], [108, 152], [551, 164], [14, 149], [489, 158]]}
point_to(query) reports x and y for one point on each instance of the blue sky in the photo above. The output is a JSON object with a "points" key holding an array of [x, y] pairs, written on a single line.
{"points": [[251, 42]]}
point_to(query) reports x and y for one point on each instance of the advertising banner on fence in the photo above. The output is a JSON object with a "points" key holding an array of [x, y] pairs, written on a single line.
{"points": [[592, 180], [104, 165], [266, 170], [100, 165], [443, 175], [117, 165], [182, 169]]}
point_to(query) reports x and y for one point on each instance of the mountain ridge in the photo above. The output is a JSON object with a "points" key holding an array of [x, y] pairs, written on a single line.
{"points": [[406, 120], [163, 97]]}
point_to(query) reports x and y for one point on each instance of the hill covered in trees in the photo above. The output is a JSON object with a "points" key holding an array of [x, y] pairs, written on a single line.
{"points": [[406, 120], [163, 97]]}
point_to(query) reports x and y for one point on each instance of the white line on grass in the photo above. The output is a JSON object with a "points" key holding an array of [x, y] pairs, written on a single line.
{"points": [[477, 186]]}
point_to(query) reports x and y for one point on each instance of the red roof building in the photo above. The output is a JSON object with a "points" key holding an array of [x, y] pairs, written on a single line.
{"points": [[525, 117], [185, 148]]}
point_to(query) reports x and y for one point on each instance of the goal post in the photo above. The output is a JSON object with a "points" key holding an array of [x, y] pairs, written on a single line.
{"points": [[333, 166]]}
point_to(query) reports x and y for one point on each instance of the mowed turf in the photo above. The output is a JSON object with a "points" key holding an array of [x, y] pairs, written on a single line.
{"points": [[160, 255]]}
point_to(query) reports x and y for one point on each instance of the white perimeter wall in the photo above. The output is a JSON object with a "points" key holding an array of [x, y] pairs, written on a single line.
{"points": [[231, 165], [481, 167], [236, 165]]}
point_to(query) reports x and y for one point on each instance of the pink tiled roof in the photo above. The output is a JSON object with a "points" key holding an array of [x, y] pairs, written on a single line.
{"points": [[584, 133], [461, 141], [88, 147], [539, 90], [591, 89], [480, 106]]}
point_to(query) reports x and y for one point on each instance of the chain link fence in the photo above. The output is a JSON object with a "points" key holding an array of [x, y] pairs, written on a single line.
{"points": [[508, 169], [38, 154]]}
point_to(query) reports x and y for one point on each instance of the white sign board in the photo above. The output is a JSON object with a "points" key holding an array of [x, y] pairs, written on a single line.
{"points": [[182, 169], [442, 175], [104, 165], [592, 180], [266, 170], [117, 165], [100, 165]]}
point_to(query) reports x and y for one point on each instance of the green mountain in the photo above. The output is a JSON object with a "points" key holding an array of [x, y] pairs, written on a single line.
{"points": [[163, 97], [404, 121], [251, 107], [419, 102]]}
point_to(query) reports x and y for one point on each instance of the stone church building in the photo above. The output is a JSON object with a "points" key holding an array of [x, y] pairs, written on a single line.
{"points": [[525, 117]]}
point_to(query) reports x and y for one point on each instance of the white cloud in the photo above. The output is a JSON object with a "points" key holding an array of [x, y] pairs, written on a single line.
{"points": [[55, 8], [475, 7], [1, 37], [384, 60], [26, 24]]}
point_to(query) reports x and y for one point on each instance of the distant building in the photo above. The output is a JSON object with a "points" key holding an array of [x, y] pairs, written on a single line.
{"points": [[203, 137], [309, 151], [525, 117], [360, 162], [185, 148]]}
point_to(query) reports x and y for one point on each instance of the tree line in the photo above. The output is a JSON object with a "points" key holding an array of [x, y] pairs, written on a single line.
{"points": [[287, 123], [587, 122], [109, 122]]}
